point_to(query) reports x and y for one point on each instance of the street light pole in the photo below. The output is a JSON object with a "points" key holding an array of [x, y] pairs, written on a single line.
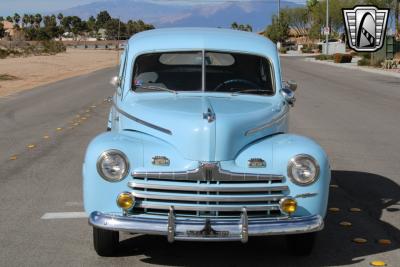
{"points": [[327, 27], [279, 11]]}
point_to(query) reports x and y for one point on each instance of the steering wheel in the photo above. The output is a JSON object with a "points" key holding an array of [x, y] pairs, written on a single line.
{"points": [[238, 81]]}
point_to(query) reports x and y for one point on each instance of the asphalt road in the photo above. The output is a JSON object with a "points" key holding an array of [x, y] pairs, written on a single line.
{"points": [[354, 115]]}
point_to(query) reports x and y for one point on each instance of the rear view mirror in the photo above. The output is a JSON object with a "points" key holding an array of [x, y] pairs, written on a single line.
{"points": [[292, 85], [289, 96], [115, 81]]}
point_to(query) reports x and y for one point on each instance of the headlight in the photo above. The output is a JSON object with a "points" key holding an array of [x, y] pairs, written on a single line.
{"points": [[113, 165], [303, 170]]}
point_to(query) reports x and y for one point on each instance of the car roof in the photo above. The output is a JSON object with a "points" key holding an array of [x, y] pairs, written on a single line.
{"points": [[170, 39]]}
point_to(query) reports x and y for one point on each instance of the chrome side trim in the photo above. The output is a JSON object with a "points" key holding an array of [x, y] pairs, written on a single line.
{"points": [[208, 171], [218, 198], [177, 228], [145, 123], [199, 207], [207, 187], [268, 124]]}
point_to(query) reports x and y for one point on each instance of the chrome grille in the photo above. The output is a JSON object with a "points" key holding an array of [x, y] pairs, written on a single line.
{"points": [[208, 198]]}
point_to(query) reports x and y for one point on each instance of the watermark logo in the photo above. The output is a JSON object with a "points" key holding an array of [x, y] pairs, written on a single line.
{"points": [[366, 27]]}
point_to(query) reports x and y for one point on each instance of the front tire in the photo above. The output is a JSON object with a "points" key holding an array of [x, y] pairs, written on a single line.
{"points": [[105, 242], [301, 244]]}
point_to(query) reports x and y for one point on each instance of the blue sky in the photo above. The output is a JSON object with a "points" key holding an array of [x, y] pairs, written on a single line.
{"points": [[8, 7]]}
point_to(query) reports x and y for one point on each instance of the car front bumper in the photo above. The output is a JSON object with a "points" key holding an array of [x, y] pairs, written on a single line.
{"points": [[203, 229]]}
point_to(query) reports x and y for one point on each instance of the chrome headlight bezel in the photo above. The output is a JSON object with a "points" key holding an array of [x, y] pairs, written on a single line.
{"points": [[109, 152], [295, 161]]}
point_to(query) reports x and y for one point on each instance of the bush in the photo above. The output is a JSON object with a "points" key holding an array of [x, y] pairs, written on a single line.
{"points": [[324, 57], [3, 53], [283, 50], [364, 62], [53, 47], [342, 58]]}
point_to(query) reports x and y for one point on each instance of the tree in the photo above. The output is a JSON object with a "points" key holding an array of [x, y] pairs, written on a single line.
{"points": [[60, 17], [278, 31], [9, 19], [37, 20], [114, 28], [298, 20], [16, 19], [1, 18], [25, 20], [241, 27], [102, 18], [2, 31], [91, 24]]}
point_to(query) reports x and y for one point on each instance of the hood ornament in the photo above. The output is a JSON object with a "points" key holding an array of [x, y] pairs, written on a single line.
{"points": [[209, 115]]}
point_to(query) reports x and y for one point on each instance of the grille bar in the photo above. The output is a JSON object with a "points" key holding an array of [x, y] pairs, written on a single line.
{"points": [[199, 207], [207, 171], [213, 198], [160, 185]]}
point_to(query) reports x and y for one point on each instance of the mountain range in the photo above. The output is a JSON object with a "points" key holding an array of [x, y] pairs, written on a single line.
{"points": [[174, 14]]}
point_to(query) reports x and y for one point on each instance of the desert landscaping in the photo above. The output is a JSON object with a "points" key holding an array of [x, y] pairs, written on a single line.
{"points": [[21, 73]]}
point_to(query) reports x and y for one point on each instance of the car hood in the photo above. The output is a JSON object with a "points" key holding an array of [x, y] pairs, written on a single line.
{"points": [[183, 122]]}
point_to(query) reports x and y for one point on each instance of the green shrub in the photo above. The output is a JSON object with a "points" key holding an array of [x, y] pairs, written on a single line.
{"points": [[53, 47], [323, 57], [283, 50], [342, 58], [364, 62], [3, 53]]}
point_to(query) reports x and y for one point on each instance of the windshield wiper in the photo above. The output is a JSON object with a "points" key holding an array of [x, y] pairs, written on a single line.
{"points": [[249, 90], [156, 88]]}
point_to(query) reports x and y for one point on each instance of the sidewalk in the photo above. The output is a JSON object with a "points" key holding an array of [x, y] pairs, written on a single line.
{"points": [[353, 65]]}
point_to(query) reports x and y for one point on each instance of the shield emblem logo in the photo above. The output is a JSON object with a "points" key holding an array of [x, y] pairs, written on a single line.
{"points": [[366, 27]]}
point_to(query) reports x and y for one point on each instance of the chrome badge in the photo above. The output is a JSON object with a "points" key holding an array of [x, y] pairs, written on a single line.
{"points": [[257, 163], [160, 161], [366, 27]]}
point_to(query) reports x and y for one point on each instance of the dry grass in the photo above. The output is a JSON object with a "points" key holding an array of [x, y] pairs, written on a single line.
{"points": [[7, 77], [30, 72]]}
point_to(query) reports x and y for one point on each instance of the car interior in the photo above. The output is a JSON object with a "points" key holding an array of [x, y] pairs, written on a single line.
{"points": [[182, 71]]}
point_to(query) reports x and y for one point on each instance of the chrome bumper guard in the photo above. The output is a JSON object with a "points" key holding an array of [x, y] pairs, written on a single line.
{"points": [[206, 229]]}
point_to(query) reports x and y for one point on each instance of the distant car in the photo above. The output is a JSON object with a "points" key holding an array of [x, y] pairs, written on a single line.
{"points": [[198, 148]]}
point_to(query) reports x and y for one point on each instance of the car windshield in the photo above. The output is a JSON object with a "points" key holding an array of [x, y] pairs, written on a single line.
{"points": [[183, 71]]}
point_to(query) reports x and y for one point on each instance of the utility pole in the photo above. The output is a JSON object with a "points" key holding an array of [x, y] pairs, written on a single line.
{"points": [[327, 30], [397, 11], [279, 21], [279, 11]]}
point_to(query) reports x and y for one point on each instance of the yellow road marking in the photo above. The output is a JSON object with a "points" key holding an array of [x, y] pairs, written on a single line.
{"points": [[377, 263], [13, 157], [334, 209], [360, 240], [46, 137], [59, 129], [334, 186], [384, 242], [31, 146], [345, 223], [355, 209]]}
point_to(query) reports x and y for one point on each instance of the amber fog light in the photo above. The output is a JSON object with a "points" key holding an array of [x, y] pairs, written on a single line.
{"points": [[288, 205], [125, 200]]}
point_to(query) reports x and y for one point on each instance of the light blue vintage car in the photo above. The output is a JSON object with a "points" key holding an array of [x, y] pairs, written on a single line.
{"points": [[198, 149]]}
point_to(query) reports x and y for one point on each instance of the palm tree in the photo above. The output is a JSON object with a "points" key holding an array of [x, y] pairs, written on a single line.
{"points": [[25, 20], [234, 25], [38, 19], [16, 19], [60, 16]]}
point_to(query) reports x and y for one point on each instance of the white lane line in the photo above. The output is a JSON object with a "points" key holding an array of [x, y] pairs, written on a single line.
{"points": [[63, 215]]}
